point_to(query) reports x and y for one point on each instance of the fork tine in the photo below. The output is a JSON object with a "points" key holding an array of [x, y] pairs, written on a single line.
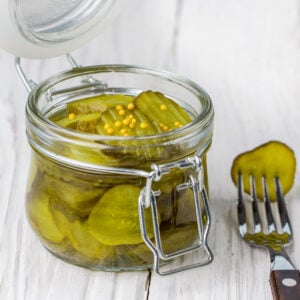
{"points": [[241, 207], [269, 215], [256, 217], [284, 218]]}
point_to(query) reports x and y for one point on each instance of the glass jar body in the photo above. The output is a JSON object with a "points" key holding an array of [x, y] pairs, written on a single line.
{"points": [[83, 190], [60, 202]]}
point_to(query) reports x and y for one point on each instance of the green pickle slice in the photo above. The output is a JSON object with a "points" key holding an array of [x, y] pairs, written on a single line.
{"points": [[173, 239], [162, 110], [114, 220], [41, 219], [79, 198], [80, 122], [269, 160], [98, 103], [76, 230]]}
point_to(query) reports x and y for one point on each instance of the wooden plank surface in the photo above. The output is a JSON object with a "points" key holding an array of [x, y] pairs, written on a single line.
{"points": [[246, 55]]}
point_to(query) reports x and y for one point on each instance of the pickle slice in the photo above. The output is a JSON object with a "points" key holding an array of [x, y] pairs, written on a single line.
{"points": [[75, 229], [177, 208], [161, 110], [79, 198], [169, 181], [185, 208], [179, 238], [123, 122], [41, 219], [98, 103], [126, 257], [80, 122], [173, 239], [270, 160], [92, 156], [114, 220], [132, 123]]}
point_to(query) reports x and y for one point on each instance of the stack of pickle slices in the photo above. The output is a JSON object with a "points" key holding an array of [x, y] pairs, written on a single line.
{"points": [[91, 219]]}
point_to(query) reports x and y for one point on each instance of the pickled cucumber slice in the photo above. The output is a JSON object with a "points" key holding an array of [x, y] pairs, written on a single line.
{"points": [[92, 156], [169, 181], [126, 257], [132, 123], [77, 232], [177, 207], [80, 122], [120, 121], [270, 160], [185, 208], [41, 219], [98, 103], [79, 198], [115, 220], [173, 239], [161, 110], [179, 238]]}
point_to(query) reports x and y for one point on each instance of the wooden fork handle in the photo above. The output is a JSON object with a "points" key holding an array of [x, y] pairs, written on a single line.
{"points": [[285, 284]]}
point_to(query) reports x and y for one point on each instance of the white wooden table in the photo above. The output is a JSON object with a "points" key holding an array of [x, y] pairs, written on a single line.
{"points": [[246, 54]]}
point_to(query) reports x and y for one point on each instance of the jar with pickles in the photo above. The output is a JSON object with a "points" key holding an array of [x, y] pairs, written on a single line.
{"points": [[118, 177]]}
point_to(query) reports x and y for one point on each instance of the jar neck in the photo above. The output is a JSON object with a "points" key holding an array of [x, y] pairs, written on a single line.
{"points": [[92, 151]]}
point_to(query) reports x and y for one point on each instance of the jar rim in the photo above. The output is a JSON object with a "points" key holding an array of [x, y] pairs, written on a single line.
{"points": [[203, 119]]}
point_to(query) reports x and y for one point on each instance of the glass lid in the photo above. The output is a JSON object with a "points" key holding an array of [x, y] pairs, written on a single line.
{"points": [[47, 28]]}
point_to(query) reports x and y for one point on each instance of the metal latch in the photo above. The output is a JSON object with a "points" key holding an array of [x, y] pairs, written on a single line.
{"points": [[148, 199]]}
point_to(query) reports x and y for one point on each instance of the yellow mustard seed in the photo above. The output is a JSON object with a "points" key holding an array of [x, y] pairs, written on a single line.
{"points": [[163, 107], [130, 106], [126, 121], [130, 117], [118, 124], [165, 128], [71, 116], [119, 107], [131, 125], [143, 125], [110, 130], [123, 131], [106, 126], [133, 120], [177, 124], [122, 112], [161, 125]]}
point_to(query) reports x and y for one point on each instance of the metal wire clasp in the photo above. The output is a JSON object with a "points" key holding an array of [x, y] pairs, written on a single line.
{"points": [[148, 199], [30, 84]]}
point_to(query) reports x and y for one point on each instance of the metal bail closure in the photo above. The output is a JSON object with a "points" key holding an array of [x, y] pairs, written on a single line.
{"points": [[148, 198]]}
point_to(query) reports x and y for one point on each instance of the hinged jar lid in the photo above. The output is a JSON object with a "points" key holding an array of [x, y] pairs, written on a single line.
{"points": [[48, 28]]}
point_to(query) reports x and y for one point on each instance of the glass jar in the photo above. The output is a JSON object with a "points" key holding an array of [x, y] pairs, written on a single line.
{"points": [[112, 203]]}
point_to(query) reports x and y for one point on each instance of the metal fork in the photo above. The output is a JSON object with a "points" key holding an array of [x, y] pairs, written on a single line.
{"points": [[265, 223]]}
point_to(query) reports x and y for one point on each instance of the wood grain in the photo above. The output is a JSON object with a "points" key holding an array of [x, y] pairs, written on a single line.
{"points": [[246, 54]]}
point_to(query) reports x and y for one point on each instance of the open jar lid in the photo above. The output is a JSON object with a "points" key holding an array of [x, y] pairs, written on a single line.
{"points": [[48, 28]]}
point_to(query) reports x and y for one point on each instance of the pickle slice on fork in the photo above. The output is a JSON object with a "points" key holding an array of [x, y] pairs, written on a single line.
{"points": [[263, 175], [272, 159]]}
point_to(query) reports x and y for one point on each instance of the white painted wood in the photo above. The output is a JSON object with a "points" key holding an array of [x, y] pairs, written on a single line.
{"points": [[246, 54]]}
